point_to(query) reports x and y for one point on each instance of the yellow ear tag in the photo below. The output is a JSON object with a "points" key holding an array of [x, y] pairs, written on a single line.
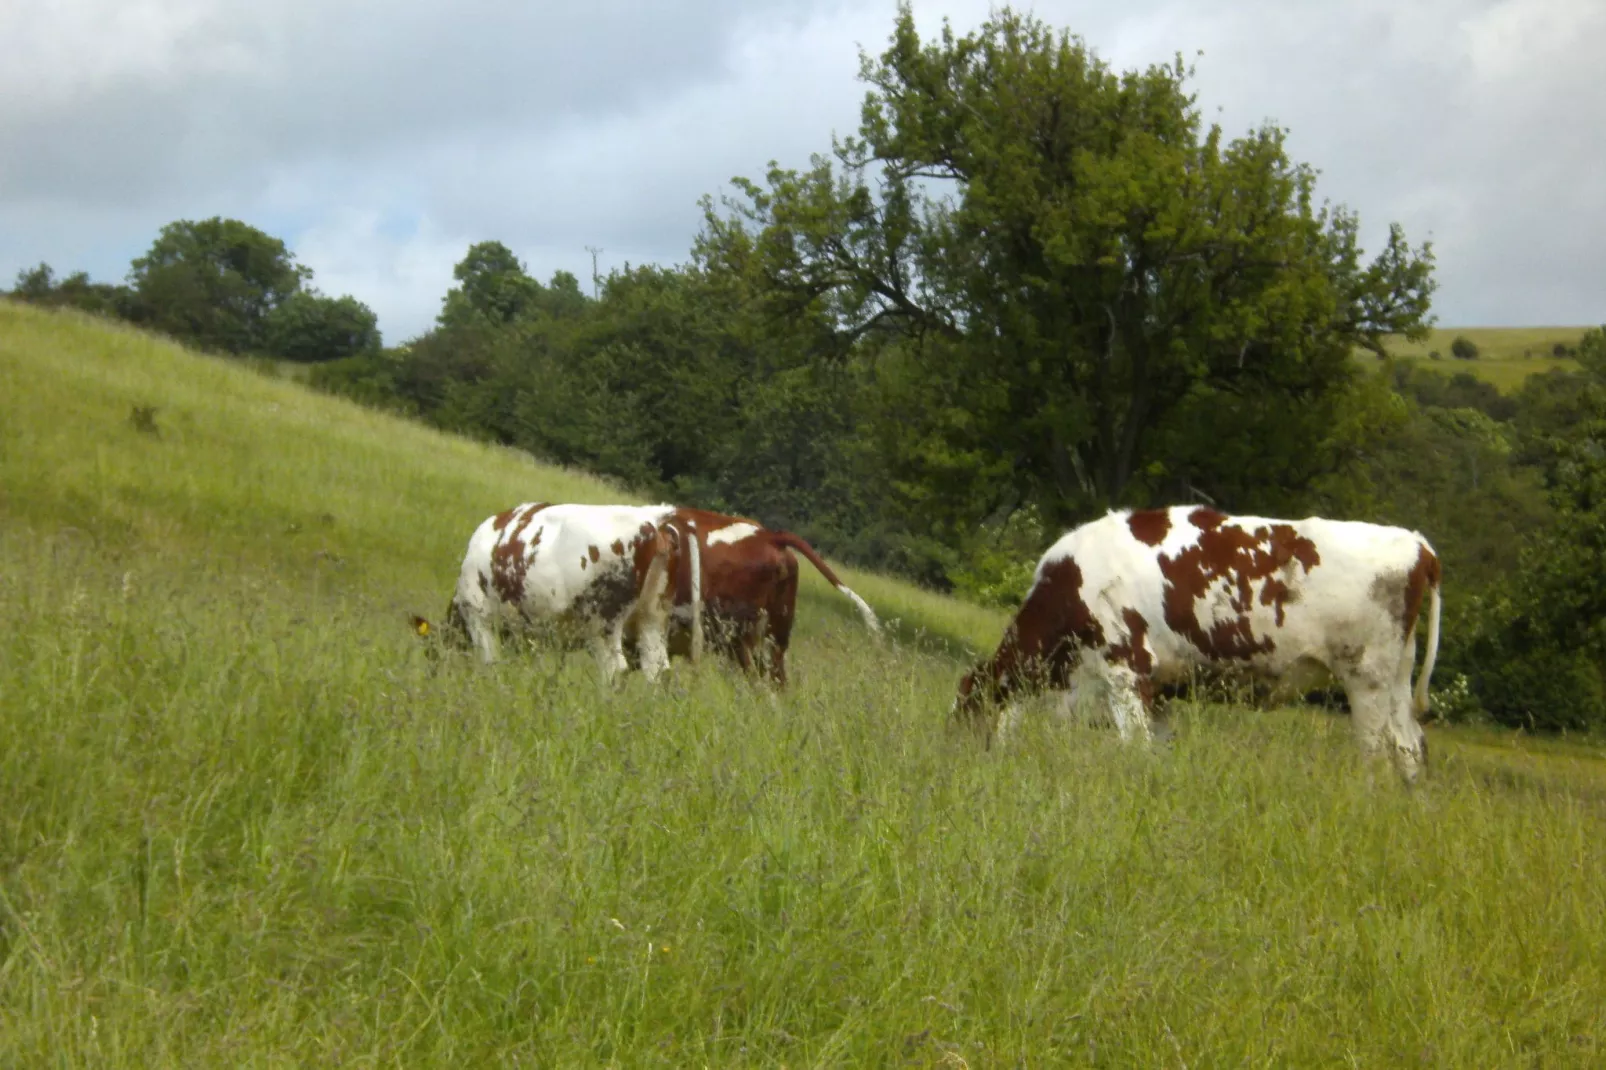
{"points": [[423, 627]]}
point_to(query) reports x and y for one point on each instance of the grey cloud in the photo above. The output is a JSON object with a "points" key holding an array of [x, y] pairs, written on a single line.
{"points": [[1471, 122], [301, 82], [554, 127]]}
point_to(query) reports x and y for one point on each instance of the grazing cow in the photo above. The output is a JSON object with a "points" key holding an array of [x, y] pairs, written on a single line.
{"points": [[594, 573], [1136, 600], [749, 589]]}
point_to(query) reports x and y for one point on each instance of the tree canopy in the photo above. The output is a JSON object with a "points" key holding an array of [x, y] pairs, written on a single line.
{"points": [[1119, 301], [308, 327], [215, 282]]}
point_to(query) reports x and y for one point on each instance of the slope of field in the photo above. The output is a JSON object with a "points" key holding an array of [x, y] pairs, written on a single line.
{"points": [[242, 468], [243, 821], [1506, 355]]}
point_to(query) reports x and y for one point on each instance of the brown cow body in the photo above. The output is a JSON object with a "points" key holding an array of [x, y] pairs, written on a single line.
{"points": [[749, 590]]}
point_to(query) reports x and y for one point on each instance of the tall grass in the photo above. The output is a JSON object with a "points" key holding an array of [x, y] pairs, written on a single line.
{"points": [[244, 821]]}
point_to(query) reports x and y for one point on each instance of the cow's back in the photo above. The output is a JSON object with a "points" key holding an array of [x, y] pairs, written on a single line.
{"points": [[1205, 588], [550, 560]]}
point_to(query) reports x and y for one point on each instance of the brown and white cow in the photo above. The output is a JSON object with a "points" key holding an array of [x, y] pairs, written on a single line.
{"points": [[1137, 600], [591, 574], [748, 590]]}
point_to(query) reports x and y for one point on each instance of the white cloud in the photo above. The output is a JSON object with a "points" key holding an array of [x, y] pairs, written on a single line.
{"points": [[381, 139], [405, 275]]}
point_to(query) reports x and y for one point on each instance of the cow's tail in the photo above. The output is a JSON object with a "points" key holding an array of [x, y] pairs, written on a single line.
{"points": [[696, 590], [786, 538], [1420, 702], [666, 541], [695, 557], [686, 582]]}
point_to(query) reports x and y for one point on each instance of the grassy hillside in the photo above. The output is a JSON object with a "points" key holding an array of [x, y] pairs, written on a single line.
{"points": [[253, 470], [242, 822], [1506, 355]]}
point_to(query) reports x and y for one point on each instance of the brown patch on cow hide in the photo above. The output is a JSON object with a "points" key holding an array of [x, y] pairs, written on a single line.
{"points": [[1277, 594], [582, 562], [504, 518], [485, 583], [1149, 526], [643, 548], [1134, 651], [510, 559], [1206, 519], [1053, 623], [618, 548], [1400, 592], [1423, 575], [596, 554], [1288, 544], [1228, 553]]}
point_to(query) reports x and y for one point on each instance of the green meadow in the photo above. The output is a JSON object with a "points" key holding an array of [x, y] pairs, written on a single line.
{"points": [[245, 821]]}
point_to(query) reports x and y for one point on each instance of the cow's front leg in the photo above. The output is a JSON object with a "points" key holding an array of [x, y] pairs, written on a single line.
{"points": [[481, 629]]}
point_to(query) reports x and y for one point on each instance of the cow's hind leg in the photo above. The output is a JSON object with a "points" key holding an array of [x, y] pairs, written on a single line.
{"points": [[1368, 705], [1007, 724], [779, 625], [748, 638], [652, 643], [1410, 743], [654, 652], [1380, 706]]}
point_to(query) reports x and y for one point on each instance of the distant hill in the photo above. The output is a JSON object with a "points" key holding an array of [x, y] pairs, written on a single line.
{"points": [[1506, 355]]}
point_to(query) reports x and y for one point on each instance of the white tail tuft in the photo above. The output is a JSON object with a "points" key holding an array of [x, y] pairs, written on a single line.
{"points": [[864, 610], [696, 591]]}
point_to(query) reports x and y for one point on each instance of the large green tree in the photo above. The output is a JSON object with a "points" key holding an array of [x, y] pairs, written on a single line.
{"points": [[493, 289], [1103, 300], [312, 327], [214, 283], [1533, 639]]}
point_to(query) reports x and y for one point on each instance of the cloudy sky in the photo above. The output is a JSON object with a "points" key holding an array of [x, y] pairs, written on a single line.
{"points": [[380, 138]]}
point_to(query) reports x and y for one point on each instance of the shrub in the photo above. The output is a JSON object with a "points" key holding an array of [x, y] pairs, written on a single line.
{"points": [[1464, 348], [1540, 661], [997, 564], [1455, 703], [1435, 355]]}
